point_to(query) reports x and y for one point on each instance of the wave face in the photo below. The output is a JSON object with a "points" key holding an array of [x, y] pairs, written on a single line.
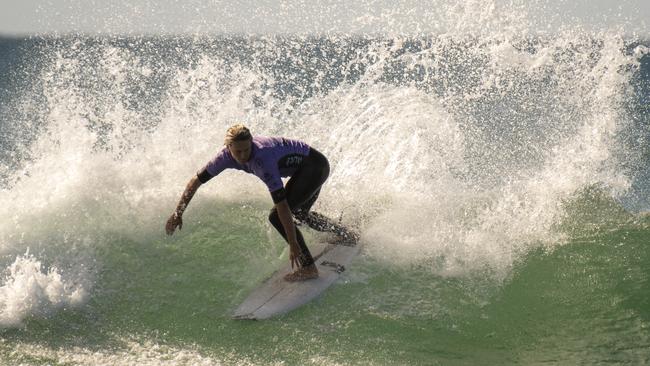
{"points": [[498, 180]]}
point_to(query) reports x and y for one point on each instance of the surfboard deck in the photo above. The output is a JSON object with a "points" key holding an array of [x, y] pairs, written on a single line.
{"points": [[275, 296]]}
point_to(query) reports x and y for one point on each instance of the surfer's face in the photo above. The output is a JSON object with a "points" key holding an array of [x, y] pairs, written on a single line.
{"points": [[240, 150]]}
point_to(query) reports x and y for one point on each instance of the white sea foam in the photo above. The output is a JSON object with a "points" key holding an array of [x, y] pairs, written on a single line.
{"points": [[132, 353], [150, 353], [30, 289]]}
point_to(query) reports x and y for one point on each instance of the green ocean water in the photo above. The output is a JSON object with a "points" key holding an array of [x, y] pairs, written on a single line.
{"points": [[584, 302]]}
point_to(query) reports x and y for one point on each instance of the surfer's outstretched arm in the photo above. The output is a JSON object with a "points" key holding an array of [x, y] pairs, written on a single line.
{"points": [[176, 219]]}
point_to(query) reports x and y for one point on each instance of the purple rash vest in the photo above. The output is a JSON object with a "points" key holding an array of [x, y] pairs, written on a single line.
{"points": [[271, 159]]}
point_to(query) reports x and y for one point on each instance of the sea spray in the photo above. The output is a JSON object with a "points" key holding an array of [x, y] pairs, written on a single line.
{"points": [[487, 134]]}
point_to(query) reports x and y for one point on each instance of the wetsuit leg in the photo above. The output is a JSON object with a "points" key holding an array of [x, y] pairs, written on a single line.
{"points": [[305, 258], [320, 222], [302, 191], [304, 186]]}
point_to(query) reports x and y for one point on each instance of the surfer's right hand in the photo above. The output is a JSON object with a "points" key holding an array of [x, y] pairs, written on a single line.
{"points": [[174, 221], [294, 254]]}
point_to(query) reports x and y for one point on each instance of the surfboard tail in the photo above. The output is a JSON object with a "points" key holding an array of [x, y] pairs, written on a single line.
{"points": [[276, 296]]}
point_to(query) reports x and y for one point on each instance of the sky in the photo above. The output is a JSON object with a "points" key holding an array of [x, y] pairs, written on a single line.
{"points": [[26, 17]]}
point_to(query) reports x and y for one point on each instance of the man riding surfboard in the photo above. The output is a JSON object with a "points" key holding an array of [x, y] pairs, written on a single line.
{"points": [[270, 159]]}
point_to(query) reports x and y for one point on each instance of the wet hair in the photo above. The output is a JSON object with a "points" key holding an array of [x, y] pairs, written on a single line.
{"points": [[237, 132]]}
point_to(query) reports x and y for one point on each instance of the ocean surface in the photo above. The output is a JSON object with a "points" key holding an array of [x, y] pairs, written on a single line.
{"points": [[499, 181]]}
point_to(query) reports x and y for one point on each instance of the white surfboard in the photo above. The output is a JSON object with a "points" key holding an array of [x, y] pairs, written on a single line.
{"points": [[276, 296]]}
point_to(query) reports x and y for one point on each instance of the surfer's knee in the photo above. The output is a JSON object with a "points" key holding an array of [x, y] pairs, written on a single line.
{"points": [[273, 216], [301, 215]]}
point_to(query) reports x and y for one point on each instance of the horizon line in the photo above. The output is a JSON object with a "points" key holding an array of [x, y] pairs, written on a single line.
{"points": [[27, 35]]}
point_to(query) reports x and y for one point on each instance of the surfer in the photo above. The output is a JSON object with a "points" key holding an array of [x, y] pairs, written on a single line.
{"points": [[270, 159]]}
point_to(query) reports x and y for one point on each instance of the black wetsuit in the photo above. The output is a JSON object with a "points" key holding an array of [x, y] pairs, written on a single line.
{"points": [[302, 190]]}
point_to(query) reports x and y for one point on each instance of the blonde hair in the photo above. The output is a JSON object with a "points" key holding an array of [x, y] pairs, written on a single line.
{"points": [[237, 132]]}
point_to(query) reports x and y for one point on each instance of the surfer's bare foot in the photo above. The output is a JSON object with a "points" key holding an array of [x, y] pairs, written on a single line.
{"points": [[302, 274]]}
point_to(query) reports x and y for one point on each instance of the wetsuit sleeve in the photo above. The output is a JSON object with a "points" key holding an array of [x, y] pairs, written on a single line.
{"points": [[279, 195], [204, 176]]}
